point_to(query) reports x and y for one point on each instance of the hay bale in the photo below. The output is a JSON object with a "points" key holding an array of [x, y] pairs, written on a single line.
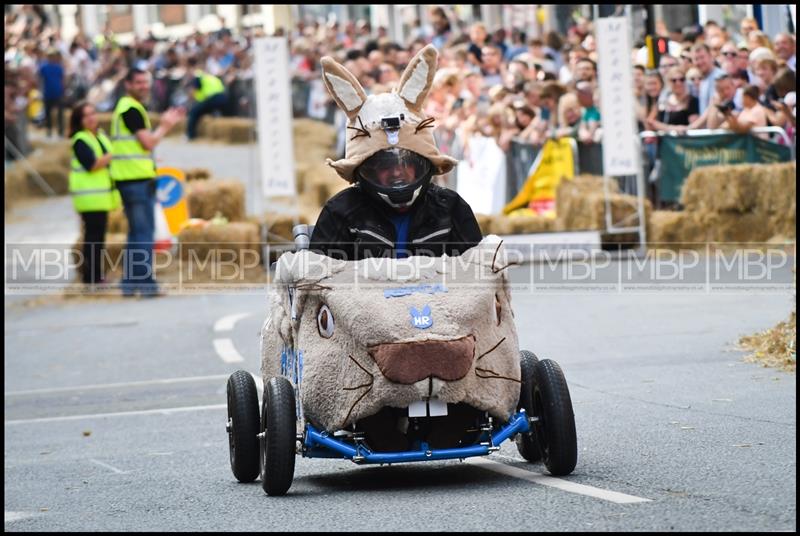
{"points": [[114, 248], [117, 222], [310, 132], [485, 223], [52, 170], [322, 182], [531, 224], [500, 224], [104, 121], [674, 228], [16, 184], [279, 226], [236, 242], [301, 170], [777, 194], [722, 188], [733, 227], [580, 205], [206, 198], [238, 130], [197, 174]]}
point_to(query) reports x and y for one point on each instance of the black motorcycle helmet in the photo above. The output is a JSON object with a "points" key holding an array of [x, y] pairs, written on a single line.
{"points": [[396, 176]]}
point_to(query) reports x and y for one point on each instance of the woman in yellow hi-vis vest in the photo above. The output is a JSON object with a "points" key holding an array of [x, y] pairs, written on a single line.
{"points": [[209, 97], [90, 185]]}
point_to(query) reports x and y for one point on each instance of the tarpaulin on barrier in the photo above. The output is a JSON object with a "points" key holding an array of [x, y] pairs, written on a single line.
{"points": [[679, 155], [556, 160]]}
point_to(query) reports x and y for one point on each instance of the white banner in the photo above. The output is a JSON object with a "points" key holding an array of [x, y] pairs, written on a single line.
{"points": [[481, 176], [614, 69], [274, 107]]}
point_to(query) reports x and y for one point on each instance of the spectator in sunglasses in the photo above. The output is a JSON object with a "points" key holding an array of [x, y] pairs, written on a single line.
{"points": [[681, 107], [728, 58]]}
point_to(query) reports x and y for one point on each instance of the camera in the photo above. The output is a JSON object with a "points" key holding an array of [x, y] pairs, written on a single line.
{"points": [[725, 107], [391, 123]]}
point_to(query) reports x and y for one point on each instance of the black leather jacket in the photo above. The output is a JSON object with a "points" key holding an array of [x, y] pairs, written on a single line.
{"points": [[353, 226]]}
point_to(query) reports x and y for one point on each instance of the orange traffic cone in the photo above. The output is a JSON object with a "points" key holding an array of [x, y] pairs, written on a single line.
{"points": [[163, 238]]}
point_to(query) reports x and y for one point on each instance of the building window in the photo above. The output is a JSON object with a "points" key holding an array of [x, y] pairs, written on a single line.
{"points": [[207, 9]]}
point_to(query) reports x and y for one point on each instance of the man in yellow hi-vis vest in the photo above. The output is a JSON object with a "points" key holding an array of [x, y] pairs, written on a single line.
{"points": [[133, 170], [209, 96]]}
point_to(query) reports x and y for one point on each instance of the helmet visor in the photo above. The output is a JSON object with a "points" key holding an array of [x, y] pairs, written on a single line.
{"points": [[394, 168]]}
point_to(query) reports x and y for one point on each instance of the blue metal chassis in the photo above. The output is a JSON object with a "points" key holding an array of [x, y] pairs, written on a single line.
{"points": [[320, 444]]}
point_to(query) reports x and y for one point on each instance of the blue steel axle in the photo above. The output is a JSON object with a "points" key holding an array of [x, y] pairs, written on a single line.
{"points": [[319, 444]]}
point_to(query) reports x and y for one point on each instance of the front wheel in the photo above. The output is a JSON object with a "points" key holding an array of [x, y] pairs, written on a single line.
{"points": [[555, 427], [527, 444], [242, 426], [279, 436]]}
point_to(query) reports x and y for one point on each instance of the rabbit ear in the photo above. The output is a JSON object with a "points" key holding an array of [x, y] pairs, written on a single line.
{"points": [[426, 311], [414, 311], [418, 77], [343, 87]]}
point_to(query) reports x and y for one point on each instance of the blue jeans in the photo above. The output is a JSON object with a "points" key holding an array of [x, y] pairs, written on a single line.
{"points": [[210, 105], [138, 198]]}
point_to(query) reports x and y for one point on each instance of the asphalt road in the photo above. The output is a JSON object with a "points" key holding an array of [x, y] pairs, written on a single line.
{"points": [[115, 420]]}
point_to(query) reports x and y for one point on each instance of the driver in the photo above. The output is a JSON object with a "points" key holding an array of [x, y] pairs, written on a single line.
{"points": [[392, 209]]}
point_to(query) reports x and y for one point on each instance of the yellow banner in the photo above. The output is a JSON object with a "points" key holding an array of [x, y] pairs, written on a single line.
{"points": [[554, 162]]}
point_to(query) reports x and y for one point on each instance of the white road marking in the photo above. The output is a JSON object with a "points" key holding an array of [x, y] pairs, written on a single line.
{"points": [[226, 351], [111, 467], [161, 411], [16, 516], [564, 485], [116, 385], [226, 323]]}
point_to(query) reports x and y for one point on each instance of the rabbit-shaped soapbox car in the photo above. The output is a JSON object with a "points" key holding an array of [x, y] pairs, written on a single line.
{"points": [[383, 361]]}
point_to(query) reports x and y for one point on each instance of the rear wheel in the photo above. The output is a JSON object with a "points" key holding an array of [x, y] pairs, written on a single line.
{"points": [[243, 426], [555, 427], [278, 424], [527, 444]]}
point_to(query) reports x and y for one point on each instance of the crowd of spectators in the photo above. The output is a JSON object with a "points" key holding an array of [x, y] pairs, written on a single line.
{"points": [[507, 86]]}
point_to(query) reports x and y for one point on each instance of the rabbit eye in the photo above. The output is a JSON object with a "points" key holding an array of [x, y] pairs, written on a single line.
{"points": [[497, 309], [325, 322]]}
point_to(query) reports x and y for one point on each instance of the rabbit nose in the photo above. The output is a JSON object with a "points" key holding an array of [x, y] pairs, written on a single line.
{"points": [[409, 362]]}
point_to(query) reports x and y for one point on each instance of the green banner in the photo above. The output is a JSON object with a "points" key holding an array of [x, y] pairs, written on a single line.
{"points": [[679, 155]]}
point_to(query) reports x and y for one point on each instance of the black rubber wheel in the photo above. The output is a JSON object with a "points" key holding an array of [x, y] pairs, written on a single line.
{"points": [[527, 444], [555, 429], [243, 426], [280, 436]]}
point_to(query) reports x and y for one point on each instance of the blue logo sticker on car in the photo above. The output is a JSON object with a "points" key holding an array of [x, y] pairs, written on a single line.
{"points": [[421, 319]]}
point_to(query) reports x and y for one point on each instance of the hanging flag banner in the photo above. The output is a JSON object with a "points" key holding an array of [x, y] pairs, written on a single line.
{"points": [[620, 137], [171, 195], [274, 107], [554, 162]]}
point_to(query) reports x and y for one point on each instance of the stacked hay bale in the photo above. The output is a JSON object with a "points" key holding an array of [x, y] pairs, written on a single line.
{"points": [[117, 222], [229, 243], [206, 199], [581, 205], [500, 224], [50, 162], [197, 174], [314, 142], [277, 228], [16, 184], [232, 129], [669, 228], [739, 203]]}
